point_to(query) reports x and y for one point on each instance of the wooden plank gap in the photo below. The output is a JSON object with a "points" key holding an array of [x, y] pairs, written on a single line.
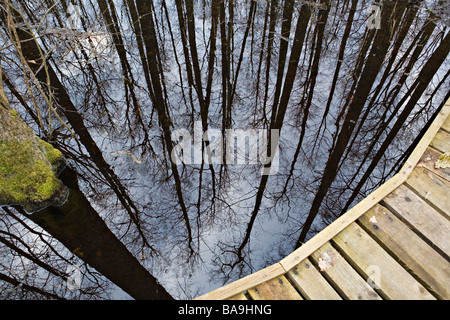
{"points": [[441, 141], [324, 274], [361, 272], [294, 285], [247, 295], [416, 231], [278, 288]]}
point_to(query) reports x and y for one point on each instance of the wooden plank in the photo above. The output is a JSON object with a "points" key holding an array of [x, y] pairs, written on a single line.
{"points": [[432, 188], [243, 284], [366, 255], [343, 277], [311, 284], [239, 296], [275, 289], [421, 216], [441, 141], [446, 125], [428, 161], [410, 249]]}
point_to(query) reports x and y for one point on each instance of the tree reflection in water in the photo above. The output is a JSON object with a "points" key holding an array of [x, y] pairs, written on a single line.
{"points": [[108, 83]]}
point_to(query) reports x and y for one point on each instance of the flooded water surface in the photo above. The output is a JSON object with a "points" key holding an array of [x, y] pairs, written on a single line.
{"points": [[202, 140]]}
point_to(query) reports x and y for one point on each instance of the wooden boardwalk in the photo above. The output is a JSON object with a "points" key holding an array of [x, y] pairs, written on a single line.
{"points": [[394, 244]]}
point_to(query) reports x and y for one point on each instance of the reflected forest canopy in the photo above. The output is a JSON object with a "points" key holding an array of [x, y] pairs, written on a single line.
{"points": [[158, 149]]}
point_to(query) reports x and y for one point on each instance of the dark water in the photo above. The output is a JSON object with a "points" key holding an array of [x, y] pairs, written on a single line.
{"points": [[347, 86]]}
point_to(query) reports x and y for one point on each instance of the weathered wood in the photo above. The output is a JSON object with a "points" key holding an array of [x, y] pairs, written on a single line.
{"points": [[441, 141], [421, 216], [428, 161], [275, 289], [410, 249], [239, 296], [432, 188], [311, 284], [446, 125], [343, 277], [366, 255], [243, 284]]}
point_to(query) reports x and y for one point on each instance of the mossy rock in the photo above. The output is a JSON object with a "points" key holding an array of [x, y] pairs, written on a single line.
{"points": [[28, 166], [27, 175]]}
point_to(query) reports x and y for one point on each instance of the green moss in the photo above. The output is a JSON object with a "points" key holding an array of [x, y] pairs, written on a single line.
{"points": [[13, 113], [53, 155], [26, 177]]}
